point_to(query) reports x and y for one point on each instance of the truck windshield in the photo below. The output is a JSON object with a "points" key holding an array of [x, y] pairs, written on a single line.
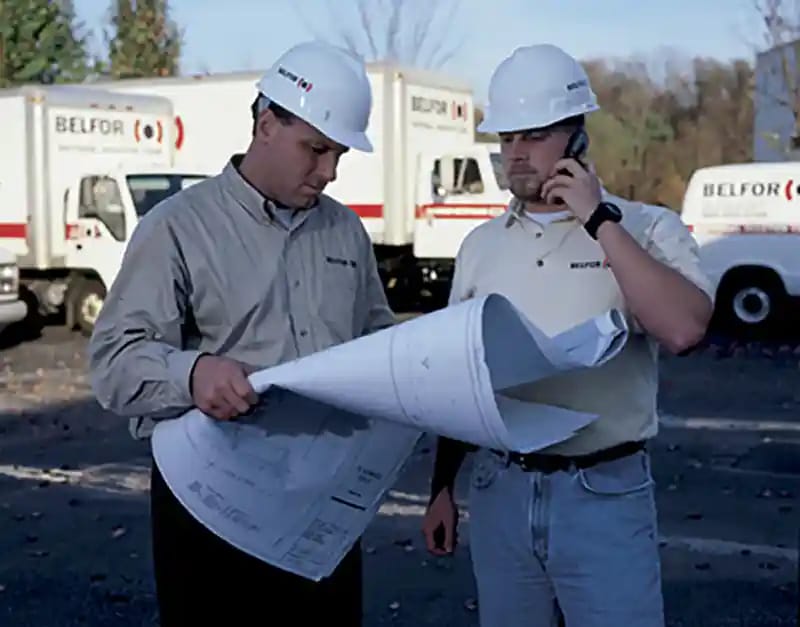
{"points": [[147, 190], [497, 166]]}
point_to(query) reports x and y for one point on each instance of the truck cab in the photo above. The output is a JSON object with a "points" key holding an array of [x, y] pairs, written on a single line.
{"points": [[81, 165], [100, 213], [457, 191]]}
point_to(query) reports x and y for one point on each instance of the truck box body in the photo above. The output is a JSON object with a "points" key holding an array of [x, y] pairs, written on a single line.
{"points": [[53, 137], [417, 118]]}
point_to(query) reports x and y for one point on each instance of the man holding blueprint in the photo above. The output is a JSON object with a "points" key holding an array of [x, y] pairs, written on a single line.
{"points": [[249, 269], [572, 525]]}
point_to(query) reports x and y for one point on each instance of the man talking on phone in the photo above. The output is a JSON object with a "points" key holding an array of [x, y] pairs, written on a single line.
{"points": [[572, 526]]}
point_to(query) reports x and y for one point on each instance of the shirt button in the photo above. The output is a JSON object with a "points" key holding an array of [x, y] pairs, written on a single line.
{"points": [[297, 283], [303, 333], [539, 263], [538, 235]]}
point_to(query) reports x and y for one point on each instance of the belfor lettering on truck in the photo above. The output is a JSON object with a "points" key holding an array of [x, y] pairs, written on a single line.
{"points": [[80, 166], [426, 185], [746, 219]]}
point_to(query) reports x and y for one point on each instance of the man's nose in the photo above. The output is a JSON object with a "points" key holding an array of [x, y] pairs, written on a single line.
{"points": [[326, 167], [515, 150]]}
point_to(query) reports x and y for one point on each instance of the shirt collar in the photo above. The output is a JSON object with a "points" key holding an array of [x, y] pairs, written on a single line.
{"points": [[254, 202], [516, 211]]}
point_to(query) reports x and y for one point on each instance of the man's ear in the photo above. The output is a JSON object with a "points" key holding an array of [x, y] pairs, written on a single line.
{"points": [[266, 125]]}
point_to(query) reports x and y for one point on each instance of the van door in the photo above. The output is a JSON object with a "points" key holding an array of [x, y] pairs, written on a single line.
{"points": [[100, 221], [455, 193]]}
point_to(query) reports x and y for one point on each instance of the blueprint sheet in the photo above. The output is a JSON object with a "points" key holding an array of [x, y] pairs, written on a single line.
{"points": [[297, 480]]}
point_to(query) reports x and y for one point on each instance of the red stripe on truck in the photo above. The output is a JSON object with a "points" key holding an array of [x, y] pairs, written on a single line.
{"points": [[13, 230], [483, 211], [368, 211], [452, 211]]}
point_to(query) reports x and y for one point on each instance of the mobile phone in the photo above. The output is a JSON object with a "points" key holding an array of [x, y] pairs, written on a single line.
{"points": [[576, 148], [577, 145]]}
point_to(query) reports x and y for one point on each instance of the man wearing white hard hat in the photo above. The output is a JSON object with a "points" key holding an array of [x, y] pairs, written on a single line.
{"points": [[250, 268], [574, 525]]}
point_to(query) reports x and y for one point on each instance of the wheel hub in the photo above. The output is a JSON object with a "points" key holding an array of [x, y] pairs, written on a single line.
{"points": [[752, 305], [90, 308]]}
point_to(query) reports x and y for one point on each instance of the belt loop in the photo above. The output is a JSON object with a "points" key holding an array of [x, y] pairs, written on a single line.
{"points": [[505, 457]]}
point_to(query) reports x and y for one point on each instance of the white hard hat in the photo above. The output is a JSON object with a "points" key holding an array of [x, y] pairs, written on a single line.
{"points": [[325, 86], [534, 87]]}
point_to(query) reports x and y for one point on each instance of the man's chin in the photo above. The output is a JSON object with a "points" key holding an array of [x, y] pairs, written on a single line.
{"points": [[526, 194]]}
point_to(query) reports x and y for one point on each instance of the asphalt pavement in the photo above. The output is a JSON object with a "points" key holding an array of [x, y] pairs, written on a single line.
{"points": [[74, 536]]}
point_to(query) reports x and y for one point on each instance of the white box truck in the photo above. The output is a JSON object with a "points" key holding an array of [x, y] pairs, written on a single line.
{"points": [[423, 189], [746, 220], [77, 169]]}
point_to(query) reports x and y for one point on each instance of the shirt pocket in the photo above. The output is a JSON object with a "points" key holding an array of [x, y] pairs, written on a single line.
{"points": [[339, 294]]}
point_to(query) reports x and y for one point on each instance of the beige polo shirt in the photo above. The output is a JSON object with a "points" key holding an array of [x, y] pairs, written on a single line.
{"points": [[557, 275]]}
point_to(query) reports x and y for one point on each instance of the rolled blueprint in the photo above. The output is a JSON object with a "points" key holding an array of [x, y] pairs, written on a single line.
{"points": [[296, 481]]}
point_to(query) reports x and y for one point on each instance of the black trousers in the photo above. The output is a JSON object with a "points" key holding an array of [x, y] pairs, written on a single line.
{"points": [[202, 580]]}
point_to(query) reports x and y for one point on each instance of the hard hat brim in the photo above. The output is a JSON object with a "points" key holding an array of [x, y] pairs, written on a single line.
{"points": [[357, 141], [490, 125]]}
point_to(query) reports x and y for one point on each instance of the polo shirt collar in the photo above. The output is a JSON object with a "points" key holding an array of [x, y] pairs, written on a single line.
{"points": [[516, 211]]}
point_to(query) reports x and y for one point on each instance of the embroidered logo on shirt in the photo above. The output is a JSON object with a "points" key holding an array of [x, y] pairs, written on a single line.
{"points": [[341, 262], [582, 265]]}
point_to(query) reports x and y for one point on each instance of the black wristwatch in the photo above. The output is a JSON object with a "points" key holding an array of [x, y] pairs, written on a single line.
{"points": [[605, 212]]}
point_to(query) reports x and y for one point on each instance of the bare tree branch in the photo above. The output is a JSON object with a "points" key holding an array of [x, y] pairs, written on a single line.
{"points": [[365, 24], [402, 27]]}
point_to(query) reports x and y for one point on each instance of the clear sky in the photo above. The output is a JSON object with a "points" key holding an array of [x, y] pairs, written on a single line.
{"points": [[228, 35]]}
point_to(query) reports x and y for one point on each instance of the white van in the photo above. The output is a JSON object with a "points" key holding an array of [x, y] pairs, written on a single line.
{"points": [[746, 220]]}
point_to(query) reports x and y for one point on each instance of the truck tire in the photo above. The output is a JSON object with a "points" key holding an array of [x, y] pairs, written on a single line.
{"points": [[86, 300], [751, 304]]}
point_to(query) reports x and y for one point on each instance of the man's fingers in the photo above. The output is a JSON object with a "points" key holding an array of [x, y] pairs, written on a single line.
{"points": [[448, 537], [571, 166], [235, 400], [220, 409], [241, 386]]}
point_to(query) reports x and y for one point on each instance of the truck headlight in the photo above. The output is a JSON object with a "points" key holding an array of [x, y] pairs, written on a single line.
{"points": [[9, 279]]}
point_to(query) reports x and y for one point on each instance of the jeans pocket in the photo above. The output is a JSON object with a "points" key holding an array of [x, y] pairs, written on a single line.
{"points": [[620, 477], [485, 469]]}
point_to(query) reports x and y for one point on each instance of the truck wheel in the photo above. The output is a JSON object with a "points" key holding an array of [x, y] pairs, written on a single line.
{"points": [[751, 304], [87, 300]]}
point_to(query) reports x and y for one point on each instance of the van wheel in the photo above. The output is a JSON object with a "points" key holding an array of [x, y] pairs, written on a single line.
{"points": [[751, 304], [86, 301]]}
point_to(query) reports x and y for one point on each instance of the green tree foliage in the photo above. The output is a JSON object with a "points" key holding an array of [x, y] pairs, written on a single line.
{"points": [[40, 43], [143, 41]]}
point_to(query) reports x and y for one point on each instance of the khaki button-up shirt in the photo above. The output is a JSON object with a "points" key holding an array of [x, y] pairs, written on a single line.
{"points": [[213, 269]]}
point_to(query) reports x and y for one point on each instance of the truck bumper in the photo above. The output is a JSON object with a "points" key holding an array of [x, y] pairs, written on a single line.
{"points": [[12, 311]]}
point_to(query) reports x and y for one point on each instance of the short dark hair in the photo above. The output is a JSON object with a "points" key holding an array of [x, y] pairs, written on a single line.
{"points": [[285, 116]]}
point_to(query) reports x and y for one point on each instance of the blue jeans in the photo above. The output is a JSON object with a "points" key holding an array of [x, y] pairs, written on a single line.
{"points": [[583, 540]]}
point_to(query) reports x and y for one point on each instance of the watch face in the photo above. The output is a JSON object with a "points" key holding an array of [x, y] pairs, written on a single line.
{"points": [[613, 210]]}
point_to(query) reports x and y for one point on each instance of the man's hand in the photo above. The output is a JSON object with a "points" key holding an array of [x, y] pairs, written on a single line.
{"points": [[581, 192], [439, 524], [220, 387]]}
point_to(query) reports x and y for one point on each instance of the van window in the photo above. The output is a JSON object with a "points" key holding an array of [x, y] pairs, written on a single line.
{"points": [[466, 177], [100, 199]]}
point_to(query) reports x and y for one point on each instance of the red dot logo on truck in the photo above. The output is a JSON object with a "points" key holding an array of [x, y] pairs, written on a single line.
{"points": [[459, 110], [144, 131], [790, 190], [179, 134]]}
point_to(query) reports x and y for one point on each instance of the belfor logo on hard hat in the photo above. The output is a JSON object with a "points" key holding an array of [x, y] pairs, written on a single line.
{"points": [[535, 87], [325, 86]]}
